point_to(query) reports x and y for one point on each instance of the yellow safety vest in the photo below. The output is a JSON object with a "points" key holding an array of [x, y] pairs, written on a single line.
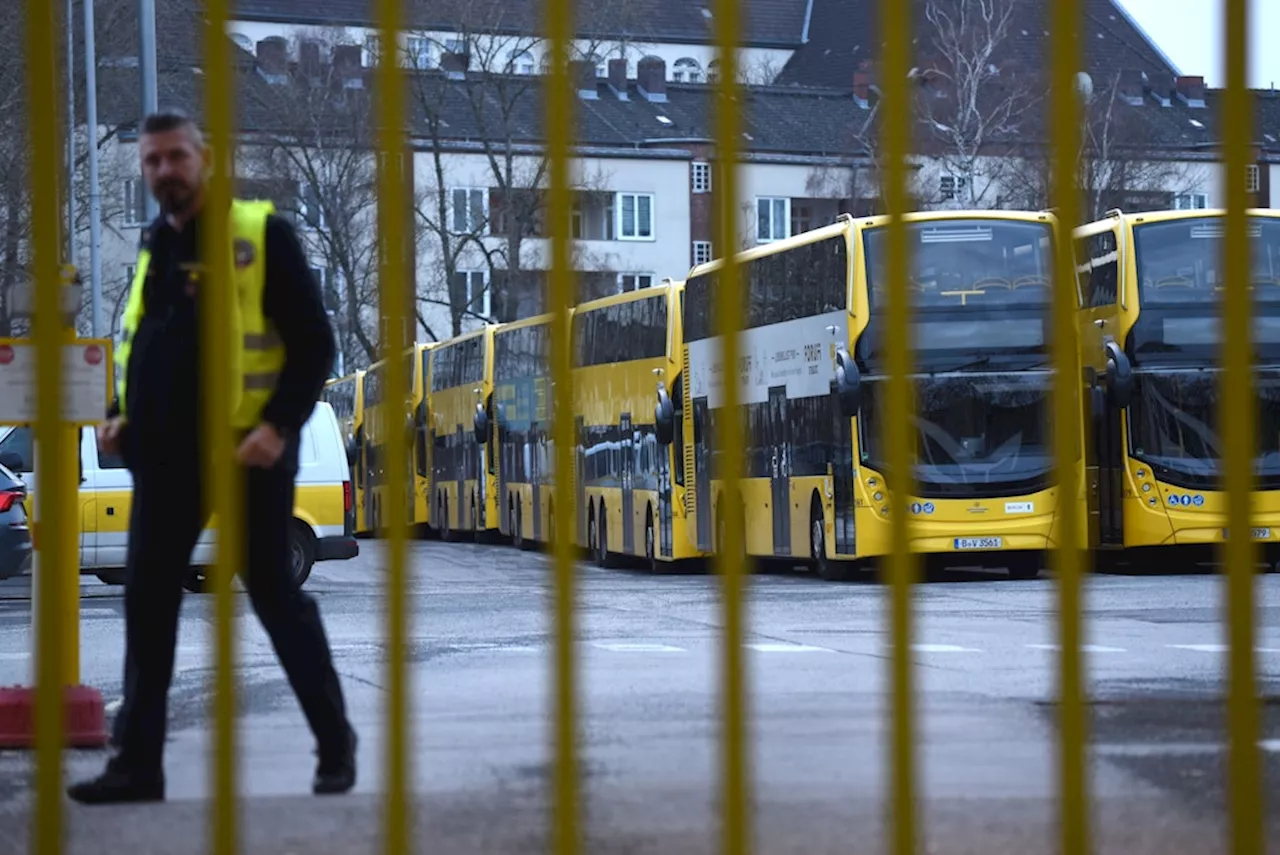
{"points": [[257, 353]]}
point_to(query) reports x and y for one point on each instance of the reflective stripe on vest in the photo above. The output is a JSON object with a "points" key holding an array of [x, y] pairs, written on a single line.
{"points": [[257, 352]]}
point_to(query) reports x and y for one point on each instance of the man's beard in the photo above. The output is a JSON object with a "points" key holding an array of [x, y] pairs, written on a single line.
{"points": [[174, 197]]}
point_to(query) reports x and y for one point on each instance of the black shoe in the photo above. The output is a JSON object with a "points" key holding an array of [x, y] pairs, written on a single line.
{"points": [[337, 774], [114, 786]]}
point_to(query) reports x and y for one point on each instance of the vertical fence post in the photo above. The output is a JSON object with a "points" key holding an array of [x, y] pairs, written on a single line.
{"points": [[393, 301], [223, 481], [730, 559], [898, 434], [1237, 416], [560, 124], [56, 478], [1064, 124]]}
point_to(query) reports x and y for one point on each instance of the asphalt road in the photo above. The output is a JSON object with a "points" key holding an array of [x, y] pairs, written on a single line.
{"points": [[817, 656]]}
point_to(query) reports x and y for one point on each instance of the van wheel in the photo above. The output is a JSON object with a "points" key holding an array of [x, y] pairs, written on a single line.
{"points": [[196, 581], [110, 578], [302, 551]]}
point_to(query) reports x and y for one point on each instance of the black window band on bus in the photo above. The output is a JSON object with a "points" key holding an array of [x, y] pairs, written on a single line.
{"points": [[522, 352], [622, 332], [458, 364]]}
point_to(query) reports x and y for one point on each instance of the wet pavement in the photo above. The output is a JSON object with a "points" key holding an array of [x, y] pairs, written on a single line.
{"points": [[480, 656]]}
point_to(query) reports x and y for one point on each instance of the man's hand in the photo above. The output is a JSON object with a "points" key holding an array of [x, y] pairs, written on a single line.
{"points": [[262, 447], [109, 435]]}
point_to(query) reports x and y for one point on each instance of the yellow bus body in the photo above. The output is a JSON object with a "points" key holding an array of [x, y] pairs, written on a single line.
{"points": [[383, 415], [1135, 500]]}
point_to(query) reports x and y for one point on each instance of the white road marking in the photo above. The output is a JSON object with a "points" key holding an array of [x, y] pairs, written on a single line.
{"points": [[14, 657], [1199, 648], [1087, 648], [776, 647], [943, 648], [1272, 745], [639, 648]]}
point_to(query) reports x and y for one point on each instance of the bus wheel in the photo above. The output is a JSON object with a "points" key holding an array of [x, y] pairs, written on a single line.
{"points": [[476, 534], [831, 571], [650, 547], [602, 538], [517, 527], [1024, 566]]}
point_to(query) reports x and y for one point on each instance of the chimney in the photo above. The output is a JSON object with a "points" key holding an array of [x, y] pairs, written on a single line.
{"points": [[618, 78], [273, 56], [863, 83], [1190, 90], [651, 79], [1132, 85], [583, 75], [309, 54], [348, 66]]}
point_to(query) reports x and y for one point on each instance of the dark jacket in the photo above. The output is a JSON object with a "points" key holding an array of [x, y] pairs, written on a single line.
{"points": [[164, 401]]}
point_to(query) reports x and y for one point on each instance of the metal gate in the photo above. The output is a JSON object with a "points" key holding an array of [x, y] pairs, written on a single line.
{"points": [[1067, 27]]}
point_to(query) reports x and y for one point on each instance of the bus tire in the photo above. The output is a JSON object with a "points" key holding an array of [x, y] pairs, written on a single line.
{"points": [[476, 534], [831, 571], [517, 528], [602, 537], [650, 543]]}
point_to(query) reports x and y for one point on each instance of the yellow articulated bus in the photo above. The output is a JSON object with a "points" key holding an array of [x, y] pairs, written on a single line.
{"points": [[522, 423], [383, 415], [1151, 292], [462, 451], [346, 396], [627, 380], [812, 378]]}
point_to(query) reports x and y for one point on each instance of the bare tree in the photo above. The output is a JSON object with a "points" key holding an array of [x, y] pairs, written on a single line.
{"points": [[972, 110]]}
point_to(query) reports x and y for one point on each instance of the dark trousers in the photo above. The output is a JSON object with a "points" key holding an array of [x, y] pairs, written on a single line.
{"points": [[166, 519]]}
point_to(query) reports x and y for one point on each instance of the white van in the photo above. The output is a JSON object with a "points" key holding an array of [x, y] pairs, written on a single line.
{"points": [[324, 510]]}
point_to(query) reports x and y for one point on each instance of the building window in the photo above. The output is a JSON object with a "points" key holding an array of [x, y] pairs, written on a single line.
{"points": [[951, 187], [135, 205], [470, 210], [130, 271], [773, 217], [634, 281], [686, 70], [1253, 178], [418, 49], [1190, 202], [701, 252], [371, 51], [635, 216], [475, 285], [801, 218], [701, 177], [310, 209], [522, 62]]}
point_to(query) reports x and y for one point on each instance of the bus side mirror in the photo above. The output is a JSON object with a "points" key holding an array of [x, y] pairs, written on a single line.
{"points": [[481, 425], [1119, 375], [664, 417], [848, 384]]}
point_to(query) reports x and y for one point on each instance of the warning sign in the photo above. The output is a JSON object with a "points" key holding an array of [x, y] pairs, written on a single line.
{"points": [[86, 381]]}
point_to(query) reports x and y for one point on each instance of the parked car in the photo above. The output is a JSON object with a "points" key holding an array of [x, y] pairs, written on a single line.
{"points": [[15, 534]]}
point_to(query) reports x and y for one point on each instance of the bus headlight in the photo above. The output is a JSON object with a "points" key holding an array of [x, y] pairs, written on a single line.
{"points": [[878, 496], [884, 510], [1152, 501], [873, 482], [1146, 488]]}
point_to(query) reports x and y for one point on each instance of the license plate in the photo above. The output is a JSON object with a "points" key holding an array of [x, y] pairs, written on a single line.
{"points": [[1258, 534], [979, 542]]}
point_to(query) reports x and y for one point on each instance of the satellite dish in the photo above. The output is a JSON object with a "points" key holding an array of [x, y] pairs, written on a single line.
{"points": [[1084, 85]]}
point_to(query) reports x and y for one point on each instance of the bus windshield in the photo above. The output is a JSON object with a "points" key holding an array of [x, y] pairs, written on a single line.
{"points": [[1179, 261], [967, 266], [1173, 424]]}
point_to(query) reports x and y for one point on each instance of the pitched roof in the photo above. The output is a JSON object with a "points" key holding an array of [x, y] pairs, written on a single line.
{"points": [[772, 23], [843, 33]]}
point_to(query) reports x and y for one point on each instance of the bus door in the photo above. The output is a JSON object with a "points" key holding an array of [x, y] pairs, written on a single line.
{"points": [[580, 476], [842, 483], [1105, 465], [627, 449], [780, 470], [461, 469], [533, 461], [702, 474]]}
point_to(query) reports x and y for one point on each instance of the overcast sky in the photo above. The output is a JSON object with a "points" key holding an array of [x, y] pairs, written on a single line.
{"points": [[1190, 33]]}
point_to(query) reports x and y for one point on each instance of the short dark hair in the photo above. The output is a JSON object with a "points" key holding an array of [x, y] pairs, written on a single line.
{"points": [[163, 121]]}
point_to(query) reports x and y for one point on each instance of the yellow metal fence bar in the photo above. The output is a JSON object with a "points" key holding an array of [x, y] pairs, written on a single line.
{"points": [[565, 832], [223, 481], [1066, 18], [393, 298], [730, 558], [1237, 417], [898, 436], [52, 437]]}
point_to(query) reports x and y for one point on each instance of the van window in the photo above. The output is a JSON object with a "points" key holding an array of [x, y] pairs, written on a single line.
{"points": [[18, 443]]}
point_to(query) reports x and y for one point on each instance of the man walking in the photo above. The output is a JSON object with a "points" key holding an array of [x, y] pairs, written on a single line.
{"points": [[281, 358]]}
